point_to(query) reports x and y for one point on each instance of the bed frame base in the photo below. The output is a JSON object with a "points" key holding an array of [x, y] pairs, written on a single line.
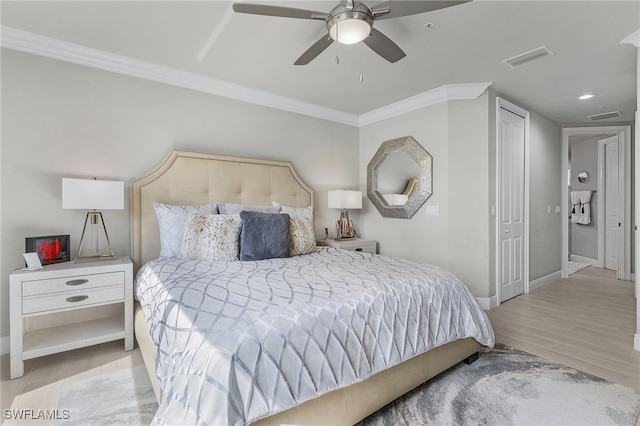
{"points": [[349, 405]]}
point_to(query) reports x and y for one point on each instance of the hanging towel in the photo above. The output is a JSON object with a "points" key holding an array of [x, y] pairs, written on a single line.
{"points": [[585, 205], [576, 209]]}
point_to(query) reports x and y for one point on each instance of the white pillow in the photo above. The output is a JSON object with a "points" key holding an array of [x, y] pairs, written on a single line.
{"points": [[230, 208], [303, 212], [171, 222], [302, 237], [214, 237]]}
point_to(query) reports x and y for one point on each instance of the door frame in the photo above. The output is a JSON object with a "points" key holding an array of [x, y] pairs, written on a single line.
{"points": [[503, 103], [624, 163]]}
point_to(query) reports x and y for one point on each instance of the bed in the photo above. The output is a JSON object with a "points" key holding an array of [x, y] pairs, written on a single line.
{"points": [[339, 360]]}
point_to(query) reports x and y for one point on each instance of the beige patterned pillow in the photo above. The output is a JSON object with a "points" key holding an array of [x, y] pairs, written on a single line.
{"points": [[303, 238], [211, 237]]}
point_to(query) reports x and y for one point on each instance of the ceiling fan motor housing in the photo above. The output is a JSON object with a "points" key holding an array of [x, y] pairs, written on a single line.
{"points": [[350, 25]]}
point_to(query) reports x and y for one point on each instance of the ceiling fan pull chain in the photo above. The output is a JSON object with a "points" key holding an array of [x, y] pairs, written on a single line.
{"points": [[361, 64], [337, 47]]}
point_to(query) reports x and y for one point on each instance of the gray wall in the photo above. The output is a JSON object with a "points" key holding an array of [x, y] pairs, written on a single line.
{"points": [[583, 156], [64, 120], [456, 134], [545, 242], [460, 135]]}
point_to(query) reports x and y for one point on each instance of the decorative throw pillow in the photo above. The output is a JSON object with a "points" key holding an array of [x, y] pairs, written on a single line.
{"points": [[303, 212], [303, 238], [212, 237], [171, 223], [264, 235], [230, 208]]}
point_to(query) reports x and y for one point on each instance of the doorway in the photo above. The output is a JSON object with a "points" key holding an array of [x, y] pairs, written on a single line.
{"points": [[610, 189]]}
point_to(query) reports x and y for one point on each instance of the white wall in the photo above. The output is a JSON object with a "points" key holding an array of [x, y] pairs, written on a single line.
{"points": [[583, 156], [64, 120], [456, 135], [545, 242], [460, 135]]}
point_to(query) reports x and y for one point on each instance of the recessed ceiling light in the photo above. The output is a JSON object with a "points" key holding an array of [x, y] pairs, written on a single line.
{"points": [[586, 96]]}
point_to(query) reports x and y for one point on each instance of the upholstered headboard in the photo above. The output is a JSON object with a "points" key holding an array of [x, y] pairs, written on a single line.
{"points": [[191, 178]]}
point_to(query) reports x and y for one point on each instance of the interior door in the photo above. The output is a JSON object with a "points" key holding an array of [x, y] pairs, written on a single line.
{"points": [[612, 221], [511, 198]]}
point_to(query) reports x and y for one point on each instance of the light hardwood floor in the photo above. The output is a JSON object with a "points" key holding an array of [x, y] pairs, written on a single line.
{"points": [[586, 321]]}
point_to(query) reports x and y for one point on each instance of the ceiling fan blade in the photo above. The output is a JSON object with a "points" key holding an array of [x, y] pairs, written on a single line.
{"points": [[317, 48], [398, 8], [384, 46], [285, 12]]}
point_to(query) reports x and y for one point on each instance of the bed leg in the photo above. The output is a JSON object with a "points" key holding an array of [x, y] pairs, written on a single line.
{"points": [[471, 358]]}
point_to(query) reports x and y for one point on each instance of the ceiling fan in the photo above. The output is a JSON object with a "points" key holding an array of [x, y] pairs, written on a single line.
{"points": [[350, 22]]}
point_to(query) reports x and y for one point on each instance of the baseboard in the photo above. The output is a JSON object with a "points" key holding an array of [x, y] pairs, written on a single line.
{"points": [[583, 259], [541, 282], [4, 345], [487, 303]]}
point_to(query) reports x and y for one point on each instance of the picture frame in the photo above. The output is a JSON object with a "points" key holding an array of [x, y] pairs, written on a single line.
{"points": [[50, 248]]}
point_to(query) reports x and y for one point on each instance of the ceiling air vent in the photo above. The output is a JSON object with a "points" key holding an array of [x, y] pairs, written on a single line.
{"points": [[604, 115], [528, 57]]}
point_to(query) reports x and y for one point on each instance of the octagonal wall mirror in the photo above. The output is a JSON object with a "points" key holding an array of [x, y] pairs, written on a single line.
{"points": [[399, 178]]}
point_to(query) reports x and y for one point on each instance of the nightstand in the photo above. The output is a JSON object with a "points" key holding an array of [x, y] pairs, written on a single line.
{"points": [[356, 244], [69, 290]]}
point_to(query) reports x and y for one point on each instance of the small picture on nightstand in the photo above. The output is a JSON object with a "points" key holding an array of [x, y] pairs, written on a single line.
{"points": [[50, 249]]}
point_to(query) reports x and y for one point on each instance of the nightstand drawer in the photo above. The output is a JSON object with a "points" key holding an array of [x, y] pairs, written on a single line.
{"points": [[356, 244], [71, 283], [72, 299], [367, 248]]}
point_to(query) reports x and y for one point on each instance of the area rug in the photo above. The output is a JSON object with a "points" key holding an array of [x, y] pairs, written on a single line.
{"points": [[511, 387], [503, 387], [123, 397]]}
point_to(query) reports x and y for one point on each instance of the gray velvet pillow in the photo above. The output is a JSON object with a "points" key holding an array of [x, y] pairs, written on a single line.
{"points": [[264, 235]]}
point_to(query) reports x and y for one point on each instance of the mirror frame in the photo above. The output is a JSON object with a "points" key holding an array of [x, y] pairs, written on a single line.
{"points": [[423, 159], [583, 177]]}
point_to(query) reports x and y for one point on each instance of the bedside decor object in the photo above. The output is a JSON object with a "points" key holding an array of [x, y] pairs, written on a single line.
{"points": [[94, 195], [344, 200], [398, 154], [50, 249]]}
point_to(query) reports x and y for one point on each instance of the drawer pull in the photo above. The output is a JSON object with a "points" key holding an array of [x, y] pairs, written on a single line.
{"points": [[359, 249], [78, 282], [73, 299]]}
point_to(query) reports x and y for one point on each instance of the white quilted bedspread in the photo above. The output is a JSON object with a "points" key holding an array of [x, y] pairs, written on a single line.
{"points": [[238, 341]]}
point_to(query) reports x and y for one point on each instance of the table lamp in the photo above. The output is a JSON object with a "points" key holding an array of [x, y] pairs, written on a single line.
{"points": [[94, 195], [344, 200]]}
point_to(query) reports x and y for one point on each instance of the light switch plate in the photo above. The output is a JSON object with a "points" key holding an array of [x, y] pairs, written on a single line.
{"points": [[433, 210]]}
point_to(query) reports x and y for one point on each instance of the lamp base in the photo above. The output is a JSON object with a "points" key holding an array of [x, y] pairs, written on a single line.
{"points": [[94, 216], [95, 258], [346, 230]]}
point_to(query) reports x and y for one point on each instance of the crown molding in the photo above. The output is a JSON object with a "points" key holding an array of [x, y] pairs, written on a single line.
{"points": [[70, 52], [448, 92], [48, 47]]}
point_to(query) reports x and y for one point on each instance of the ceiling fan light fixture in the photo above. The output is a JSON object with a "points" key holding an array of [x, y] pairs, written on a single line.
{"points": [[350, 30]]}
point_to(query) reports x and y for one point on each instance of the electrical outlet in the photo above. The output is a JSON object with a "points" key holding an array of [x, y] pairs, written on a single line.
{"points": [[558, 209]]}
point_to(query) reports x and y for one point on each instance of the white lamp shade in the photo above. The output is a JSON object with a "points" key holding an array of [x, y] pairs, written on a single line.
{"points": [[92, 194], [344, 199]]}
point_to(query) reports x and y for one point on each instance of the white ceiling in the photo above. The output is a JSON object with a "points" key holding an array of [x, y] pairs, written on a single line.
{"points": [[466, 44]]}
